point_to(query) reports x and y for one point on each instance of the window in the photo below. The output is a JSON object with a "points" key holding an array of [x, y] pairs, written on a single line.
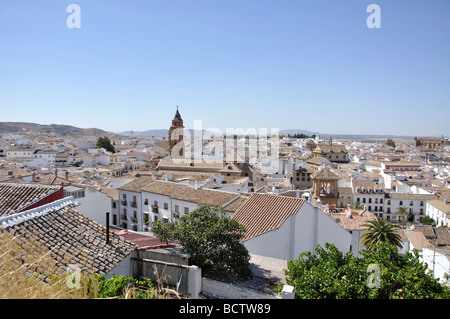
{"points": [[177, 209], [401, 203], [186, 210], [155, 203], [146, 201], [166, 206]]}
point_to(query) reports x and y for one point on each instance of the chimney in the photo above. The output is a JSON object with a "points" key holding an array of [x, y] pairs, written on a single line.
{"points": [[107, 227], [67, 175], [319, 203], [297, 195], [265, 189], [33, 176]]}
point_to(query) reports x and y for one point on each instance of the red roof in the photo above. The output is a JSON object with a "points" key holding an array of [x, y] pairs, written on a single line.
{"points": [[143, 242]]}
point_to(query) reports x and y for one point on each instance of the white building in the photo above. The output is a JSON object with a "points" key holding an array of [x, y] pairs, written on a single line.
{"points": [[438, 262], [439, 211], [20, 152], [370, 195], [48, 157], [143, 201], [416, 205], [283, 227]]}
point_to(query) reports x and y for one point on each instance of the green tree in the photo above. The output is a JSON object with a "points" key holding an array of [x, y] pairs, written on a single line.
{"points": [[427, 220], [212, 240], [378, 231], [163, 231], [329, 273], [104, 142], [403, 213]]}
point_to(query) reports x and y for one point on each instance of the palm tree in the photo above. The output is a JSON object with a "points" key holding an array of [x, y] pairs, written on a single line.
{"points": [[380, 230], [356, 205]]}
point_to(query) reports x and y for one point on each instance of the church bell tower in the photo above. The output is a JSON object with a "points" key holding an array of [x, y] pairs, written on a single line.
{"points": [[176, 135]]}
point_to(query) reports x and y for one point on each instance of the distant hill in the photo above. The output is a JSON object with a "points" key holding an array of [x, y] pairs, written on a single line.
{"points": [[60, 129], [149, 133], [362, 137]]}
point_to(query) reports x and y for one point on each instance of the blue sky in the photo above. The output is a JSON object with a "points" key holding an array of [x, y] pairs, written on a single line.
{"points": [[286, 64]]}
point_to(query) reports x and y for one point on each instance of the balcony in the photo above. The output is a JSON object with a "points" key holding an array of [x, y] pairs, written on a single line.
{"points": [[124, 202], [133, 204]]}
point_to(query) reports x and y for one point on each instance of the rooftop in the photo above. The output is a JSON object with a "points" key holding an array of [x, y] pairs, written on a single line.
{"points": [[205, 196], [262, 213], [69, 237], [15, 197]]}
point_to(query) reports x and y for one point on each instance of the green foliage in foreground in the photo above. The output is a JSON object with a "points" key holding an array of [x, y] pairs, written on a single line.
{"points": [[121, 287], [379, 274], [212, 240]]}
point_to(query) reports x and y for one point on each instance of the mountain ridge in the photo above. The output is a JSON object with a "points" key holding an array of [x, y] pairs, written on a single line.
{"points": [[60, 129]]}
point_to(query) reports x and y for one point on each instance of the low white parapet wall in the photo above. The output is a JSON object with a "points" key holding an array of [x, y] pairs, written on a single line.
{"points": [[222, 290]]}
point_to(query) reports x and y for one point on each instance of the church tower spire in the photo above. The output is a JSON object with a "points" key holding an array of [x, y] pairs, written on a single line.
{"points": [[176, 135]]}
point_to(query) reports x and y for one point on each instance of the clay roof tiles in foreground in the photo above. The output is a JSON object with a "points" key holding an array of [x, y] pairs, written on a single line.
{"points": [[262, 213], [15, 197], [68, 236]]}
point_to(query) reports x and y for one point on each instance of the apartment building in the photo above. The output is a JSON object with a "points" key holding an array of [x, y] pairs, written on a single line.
{"points": [[144, 201], [369, 194], [416, 205]]}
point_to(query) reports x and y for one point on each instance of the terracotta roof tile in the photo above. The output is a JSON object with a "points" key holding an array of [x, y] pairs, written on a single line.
{"points": [[263, 213], [16, 197], [71, 238], [205, 196]]}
